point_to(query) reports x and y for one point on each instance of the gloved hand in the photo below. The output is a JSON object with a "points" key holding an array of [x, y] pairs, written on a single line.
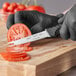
{"points": [[68, 27], [36, 21]]}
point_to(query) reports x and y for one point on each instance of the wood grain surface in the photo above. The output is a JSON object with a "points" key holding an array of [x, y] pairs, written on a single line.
{"points": [[49, 57]]}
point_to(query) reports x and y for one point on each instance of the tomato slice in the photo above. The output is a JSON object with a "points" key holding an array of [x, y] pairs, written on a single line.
{"points": [[21, 48], [17, 59], [18, 31], [13, 56], [28, 49]]}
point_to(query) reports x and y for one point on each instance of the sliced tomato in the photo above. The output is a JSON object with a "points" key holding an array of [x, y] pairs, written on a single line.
{"points": [[37, 8], [13, 56], [17, 59], [28, 49], [21, 48], [18, 31]]}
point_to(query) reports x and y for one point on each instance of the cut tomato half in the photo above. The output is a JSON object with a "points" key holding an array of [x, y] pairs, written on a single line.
{"points": [[18, 31]]}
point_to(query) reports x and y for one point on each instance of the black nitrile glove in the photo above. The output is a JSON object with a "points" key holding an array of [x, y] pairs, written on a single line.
{"points": [[36, 21], [68, 27]]}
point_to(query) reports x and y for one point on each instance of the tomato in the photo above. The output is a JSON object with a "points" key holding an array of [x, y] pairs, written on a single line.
{"points": [[19, 48], [18, 31], [17, 9], [11, 8], [5, 6], [14, 5], [13, 56], [37, 8], [17, 59], [28, 49], [21, 7]]}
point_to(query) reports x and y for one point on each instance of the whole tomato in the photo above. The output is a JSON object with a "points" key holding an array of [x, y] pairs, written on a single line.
{"points": [[11, 8], [37, 8], [17, 9], [14, 5], [21, 7], [5, 6]]}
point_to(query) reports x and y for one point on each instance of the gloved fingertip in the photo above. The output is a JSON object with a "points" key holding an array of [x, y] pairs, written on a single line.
{"points": [[63, 34], [10, 21], [36, 28], [60, 21], [18, 16]]}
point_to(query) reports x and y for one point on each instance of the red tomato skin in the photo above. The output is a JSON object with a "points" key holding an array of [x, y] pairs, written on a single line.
{"points": [[22, 48], [17, 59], [11, 8], [5, 6], [14, 5], [21, 7], [17, 9], [37, 8]]}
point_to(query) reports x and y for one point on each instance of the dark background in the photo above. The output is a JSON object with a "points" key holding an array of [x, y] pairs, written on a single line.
{"points": [[51, 6]]}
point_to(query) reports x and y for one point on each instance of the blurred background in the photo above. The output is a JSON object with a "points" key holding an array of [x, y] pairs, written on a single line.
{"points": [[51, 6]]}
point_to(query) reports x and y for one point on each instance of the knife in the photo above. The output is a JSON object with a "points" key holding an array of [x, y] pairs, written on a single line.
{"points": [[50, 32]]}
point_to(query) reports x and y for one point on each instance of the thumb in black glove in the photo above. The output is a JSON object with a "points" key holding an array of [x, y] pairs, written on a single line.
{"points": [[36, 21]]}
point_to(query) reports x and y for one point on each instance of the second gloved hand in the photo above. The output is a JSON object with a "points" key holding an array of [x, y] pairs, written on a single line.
{"points": [[36, 21], [68, 27]]}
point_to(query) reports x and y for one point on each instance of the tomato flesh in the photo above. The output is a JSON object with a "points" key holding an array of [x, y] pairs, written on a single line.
{"points": [[17, 9], [22, 48], [18, 31]]}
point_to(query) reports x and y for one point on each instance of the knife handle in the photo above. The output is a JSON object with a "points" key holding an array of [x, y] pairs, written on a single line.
{"points": [[54, 31]]}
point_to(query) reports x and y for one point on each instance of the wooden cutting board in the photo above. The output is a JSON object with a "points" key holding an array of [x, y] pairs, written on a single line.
{"points": [[49, 57]]}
